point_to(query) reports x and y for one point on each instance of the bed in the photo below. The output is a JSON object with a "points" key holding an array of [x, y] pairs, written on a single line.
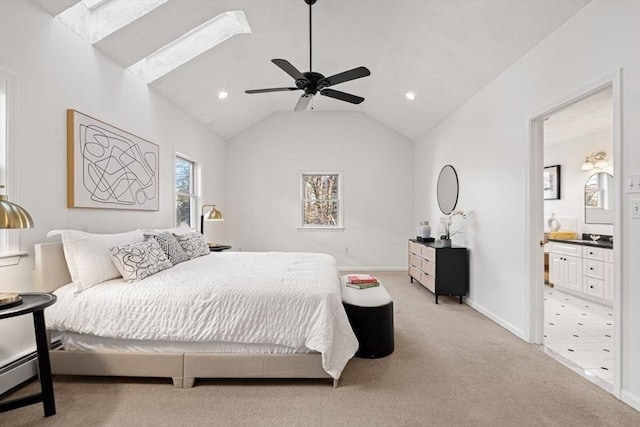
{"points": [[223, 315]]}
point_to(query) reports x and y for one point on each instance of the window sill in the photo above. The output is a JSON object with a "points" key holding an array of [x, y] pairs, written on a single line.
{"points": [[12, 258], [320, 228]]}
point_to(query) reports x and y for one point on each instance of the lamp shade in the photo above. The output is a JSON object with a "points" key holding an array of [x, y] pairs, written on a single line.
{"points": [[12, 215], [587, 165], [214, 215]]}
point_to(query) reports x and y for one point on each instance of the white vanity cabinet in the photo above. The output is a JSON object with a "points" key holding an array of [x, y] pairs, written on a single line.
{"points": [[585, 271]]}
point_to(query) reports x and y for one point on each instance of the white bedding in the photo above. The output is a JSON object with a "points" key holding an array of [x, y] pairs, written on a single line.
{"points": [[287, 299]]}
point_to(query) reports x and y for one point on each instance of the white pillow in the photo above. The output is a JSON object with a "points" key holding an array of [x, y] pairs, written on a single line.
{"points": [[140, 260], [88, 256]]}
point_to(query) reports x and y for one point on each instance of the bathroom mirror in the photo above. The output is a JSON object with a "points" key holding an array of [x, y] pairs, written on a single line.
{"points": [[598, 199], [447, 189]]}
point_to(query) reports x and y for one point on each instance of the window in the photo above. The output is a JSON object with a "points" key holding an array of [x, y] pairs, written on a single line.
{"points": [[9, 239], [186, 196], [321, 204]]}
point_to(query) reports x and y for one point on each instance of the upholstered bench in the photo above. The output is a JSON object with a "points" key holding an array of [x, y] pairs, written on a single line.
{"points": [[370, 313]]}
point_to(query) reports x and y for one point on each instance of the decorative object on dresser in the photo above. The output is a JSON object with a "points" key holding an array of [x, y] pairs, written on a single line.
{"points": [[108, 167], [583, 268], [442, 270], [370, 313], [425, 230]]}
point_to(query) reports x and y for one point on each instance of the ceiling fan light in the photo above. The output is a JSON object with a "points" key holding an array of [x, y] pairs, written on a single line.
{"points": [[410, 96], [223, 94]]}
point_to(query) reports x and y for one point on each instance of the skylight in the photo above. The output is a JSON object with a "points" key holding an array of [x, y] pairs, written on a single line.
{"points": [[96, 19], [191, 44]]}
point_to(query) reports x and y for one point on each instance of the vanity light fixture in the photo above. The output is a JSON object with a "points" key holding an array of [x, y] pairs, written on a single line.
{"points": [[597, 159], [223, 94], [410, 96]]}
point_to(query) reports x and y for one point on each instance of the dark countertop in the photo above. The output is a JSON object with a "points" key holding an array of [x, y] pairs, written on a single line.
{"points": [[606, 244]]}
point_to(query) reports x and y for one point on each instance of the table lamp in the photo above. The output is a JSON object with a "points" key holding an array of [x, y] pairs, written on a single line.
{"points": [[213, 215]]}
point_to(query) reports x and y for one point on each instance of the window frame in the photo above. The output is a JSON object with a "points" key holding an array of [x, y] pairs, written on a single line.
{"points": [[340, 202], [10, 252], [195, 188]]}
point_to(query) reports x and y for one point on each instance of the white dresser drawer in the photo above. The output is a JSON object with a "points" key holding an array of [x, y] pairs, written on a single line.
{"points": [[592, 253], [593, 287], [593, 268], [565, 249], [428, 282]]}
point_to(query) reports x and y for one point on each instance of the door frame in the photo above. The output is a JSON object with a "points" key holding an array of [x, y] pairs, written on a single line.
{"points": [[534, 215]]}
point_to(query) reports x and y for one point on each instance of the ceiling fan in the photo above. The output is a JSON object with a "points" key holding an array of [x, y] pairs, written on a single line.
{"points": [[312, 82]]}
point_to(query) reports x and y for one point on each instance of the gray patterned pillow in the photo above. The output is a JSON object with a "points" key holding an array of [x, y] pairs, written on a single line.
{"points": [[193, 244], [170, 246], [139, 260]]}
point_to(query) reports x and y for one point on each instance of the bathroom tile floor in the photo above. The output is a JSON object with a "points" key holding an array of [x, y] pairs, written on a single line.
{"points": [[580, 334]]}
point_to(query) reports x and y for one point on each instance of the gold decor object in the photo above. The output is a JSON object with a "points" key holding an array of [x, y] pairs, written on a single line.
{"points": [[7, 297], [12, 215]]}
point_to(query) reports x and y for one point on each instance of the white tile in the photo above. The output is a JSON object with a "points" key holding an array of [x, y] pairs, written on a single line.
{"points": [[580, 330]]}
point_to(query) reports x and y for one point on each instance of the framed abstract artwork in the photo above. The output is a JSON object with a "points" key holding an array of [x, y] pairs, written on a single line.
{"points": [[108, 167], [551, 182]]}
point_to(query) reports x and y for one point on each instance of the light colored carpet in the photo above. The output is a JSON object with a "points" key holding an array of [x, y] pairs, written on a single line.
{"points": [[451, 367]]}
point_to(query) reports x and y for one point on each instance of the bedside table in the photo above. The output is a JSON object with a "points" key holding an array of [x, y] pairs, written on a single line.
{"points": [[35, 303], [219, 248]]}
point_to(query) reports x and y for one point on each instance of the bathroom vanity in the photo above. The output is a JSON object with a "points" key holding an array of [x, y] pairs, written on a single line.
{"points": [[583, 268]]}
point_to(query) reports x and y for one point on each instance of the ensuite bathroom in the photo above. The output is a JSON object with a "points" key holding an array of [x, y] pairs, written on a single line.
{"points": [[579, 201]]}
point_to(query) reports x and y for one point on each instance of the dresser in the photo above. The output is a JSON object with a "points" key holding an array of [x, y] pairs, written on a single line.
{"points": [[582, 270], [442, 270]]}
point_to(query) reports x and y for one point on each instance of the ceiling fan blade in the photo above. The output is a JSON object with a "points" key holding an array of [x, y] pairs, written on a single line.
{"points": [[342, 96], [289, 69], [345, 76], [275, 89], [303, 102]]}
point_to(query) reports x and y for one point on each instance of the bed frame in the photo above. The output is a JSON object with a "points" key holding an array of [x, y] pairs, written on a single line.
{"points": [[51, 272]]}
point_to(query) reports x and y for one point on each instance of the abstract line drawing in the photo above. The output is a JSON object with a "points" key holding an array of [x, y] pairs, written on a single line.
{"points": [[108, 167]]}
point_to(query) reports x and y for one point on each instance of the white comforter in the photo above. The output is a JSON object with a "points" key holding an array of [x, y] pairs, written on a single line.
{"points": [[290, 299]]}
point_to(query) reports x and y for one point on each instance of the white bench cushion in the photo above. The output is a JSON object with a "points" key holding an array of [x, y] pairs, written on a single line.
{"points": [[368, 297]]}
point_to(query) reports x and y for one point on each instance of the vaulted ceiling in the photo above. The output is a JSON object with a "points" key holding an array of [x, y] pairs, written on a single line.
{"points": [[442, 50]]}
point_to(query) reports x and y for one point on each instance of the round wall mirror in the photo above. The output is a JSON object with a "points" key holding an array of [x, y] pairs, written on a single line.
{"points": [[598, 199], [447, 189]]}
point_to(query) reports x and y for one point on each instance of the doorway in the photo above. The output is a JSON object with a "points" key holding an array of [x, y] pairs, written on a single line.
{"points": [[570, 315]]}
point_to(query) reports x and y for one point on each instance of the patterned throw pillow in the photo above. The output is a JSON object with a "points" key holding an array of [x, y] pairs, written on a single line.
{"points": [[170, 246], [193, 244], [139, 260]]}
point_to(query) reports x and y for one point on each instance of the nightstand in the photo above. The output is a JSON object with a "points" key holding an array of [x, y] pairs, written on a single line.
{"points": [[35, 303], [219, 248]]}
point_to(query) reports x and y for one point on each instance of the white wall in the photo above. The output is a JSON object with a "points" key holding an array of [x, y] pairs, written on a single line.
{"points": [[263, 194], [487, 141], [570, 156], [57, 70]]}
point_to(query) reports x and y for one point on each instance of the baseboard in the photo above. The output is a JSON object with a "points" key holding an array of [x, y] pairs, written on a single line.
{"points": [[369, 269], [630, 399], [18, 372], [499, 320]]}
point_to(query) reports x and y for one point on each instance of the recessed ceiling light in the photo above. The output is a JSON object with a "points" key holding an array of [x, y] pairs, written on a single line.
{"points": [[410, 96], [223, 94]]}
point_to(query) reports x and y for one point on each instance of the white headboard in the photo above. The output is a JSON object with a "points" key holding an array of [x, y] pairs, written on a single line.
{"points": [[51, 267]]}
